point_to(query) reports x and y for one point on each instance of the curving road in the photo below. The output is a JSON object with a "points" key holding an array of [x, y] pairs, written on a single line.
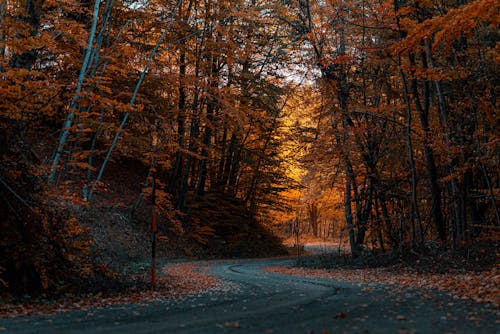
{"points": [[262, 302]]}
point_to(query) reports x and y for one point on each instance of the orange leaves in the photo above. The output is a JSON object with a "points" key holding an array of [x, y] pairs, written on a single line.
{"points": [[436, 74], [482, 287], [189, 278], [176, 280], [343, 59], [82, 165], [464, 20], [63, 5], [456, 23]]}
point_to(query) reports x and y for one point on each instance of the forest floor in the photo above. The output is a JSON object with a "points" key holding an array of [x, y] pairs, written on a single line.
{"points": [[260, 296], [473, 275], [176, 279], [477, 280], [480, 286]]}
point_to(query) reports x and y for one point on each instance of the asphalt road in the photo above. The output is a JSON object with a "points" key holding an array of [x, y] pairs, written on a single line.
{"points": [[261, 302], [322, 247]]}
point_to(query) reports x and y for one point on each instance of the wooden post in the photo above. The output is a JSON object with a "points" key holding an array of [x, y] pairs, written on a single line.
{"points": [[153, 239], [297, 237]]}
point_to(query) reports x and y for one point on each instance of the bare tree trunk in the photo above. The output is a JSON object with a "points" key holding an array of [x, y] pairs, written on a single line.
{"points": [[458, 207], [181, 124], [211, 108], [71, 114], [348, 217], [491, 194], [2, 32], [313, 213], [411, 158], [133, 98]]}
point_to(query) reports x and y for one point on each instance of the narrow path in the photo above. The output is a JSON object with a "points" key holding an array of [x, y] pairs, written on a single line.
{"points": [[264, 302]]}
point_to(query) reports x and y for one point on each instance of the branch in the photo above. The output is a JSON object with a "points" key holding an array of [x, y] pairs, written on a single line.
{"points": [[69, 119], [16, 195]]}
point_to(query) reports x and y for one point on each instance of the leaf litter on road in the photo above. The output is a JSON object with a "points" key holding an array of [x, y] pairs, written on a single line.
{"points": [[482, 287], [176, 280]]}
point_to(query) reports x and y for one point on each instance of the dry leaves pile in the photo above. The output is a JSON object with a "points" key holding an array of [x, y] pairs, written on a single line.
{"points": [[483, 287], [188, 278], [174, 281]]}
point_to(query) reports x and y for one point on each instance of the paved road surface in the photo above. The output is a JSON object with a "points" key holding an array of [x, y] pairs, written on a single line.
{"points": [[322, 247], [272, 303]]}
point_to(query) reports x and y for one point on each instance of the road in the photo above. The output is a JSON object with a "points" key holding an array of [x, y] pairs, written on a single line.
{"points": [[261, 302], [322, 247]]}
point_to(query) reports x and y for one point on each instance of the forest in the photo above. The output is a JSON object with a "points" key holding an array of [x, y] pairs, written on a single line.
{"points": [[224, 121]]}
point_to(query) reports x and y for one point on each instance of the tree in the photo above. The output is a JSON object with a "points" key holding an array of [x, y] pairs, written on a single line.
{"points": [[378, 66]]}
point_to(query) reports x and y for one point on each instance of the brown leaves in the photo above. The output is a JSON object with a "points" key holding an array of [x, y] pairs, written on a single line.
{"points": [[175, 280], [457, 22], [232, 324], [187, 278], [340, 315], [483, 287]]}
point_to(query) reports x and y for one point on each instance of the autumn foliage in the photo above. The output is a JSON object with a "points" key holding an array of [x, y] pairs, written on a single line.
{"points": [[189, 89], [408, 116], [387, 110]]}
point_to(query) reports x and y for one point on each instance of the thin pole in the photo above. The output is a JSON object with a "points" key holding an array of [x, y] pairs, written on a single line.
{"points": [[297, 237], [153, 240]]}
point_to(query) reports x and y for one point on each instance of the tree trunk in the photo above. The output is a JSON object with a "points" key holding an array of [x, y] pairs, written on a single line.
{"points": [[133, 98], [71, 114]]}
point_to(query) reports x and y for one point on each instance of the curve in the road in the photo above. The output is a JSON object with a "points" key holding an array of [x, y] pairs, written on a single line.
{"points": [[267, 302]]}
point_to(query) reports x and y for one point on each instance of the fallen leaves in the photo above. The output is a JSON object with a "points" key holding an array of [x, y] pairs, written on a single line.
{"points": [[483, 287], [193, 277], [232, 324], [175, 280], [186, 278], [340, 315]]}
